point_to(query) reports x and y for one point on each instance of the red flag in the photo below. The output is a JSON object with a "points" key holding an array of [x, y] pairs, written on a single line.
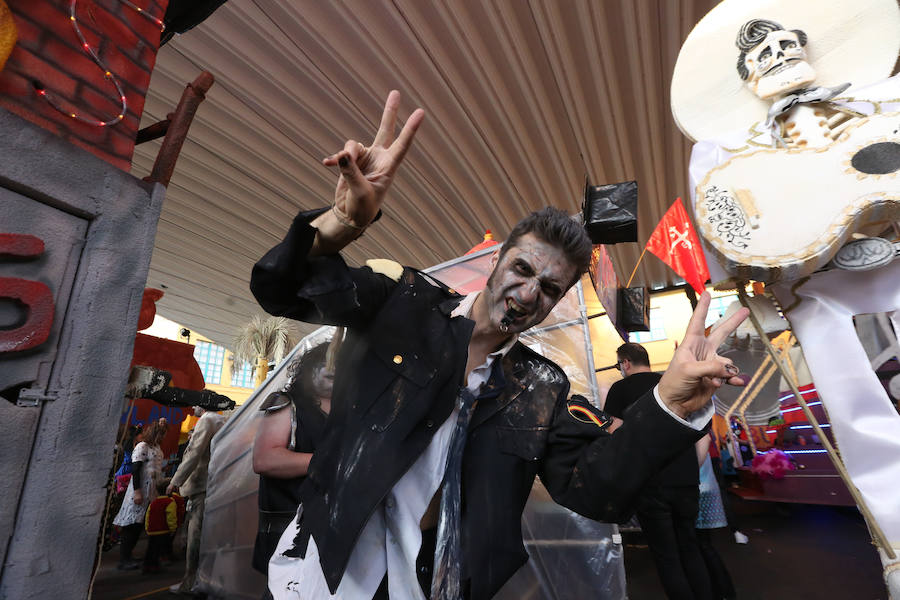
{"points": [[676, 243]]}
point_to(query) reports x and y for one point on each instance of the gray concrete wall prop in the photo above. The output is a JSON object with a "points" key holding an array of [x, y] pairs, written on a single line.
{"points": [[98, 225]]}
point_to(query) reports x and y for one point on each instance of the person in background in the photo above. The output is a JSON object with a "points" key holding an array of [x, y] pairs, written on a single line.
{"points": [[131, 437], [146, 462], [667, 506], [190, 481], [164, 515], [292, 426], [711, 515], [718, 465]]}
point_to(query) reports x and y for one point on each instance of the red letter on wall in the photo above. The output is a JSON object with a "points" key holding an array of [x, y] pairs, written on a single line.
{"points": [[34, 295]]}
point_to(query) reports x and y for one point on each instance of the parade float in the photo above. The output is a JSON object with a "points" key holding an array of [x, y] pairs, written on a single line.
{"points": [[794, 113]]}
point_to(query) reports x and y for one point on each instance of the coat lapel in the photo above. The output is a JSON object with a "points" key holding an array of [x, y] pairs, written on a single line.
{"points": [[503, 387]]}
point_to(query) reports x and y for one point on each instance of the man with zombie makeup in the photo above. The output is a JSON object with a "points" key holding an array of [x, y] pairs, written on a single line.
{"points": [[442, 418], [291, 429]]}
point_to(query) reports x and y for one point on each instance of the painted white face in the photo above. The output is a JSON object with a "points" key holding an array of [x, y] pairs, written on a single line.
{"points": [[778, 65], [530, 279], [322, 382]]}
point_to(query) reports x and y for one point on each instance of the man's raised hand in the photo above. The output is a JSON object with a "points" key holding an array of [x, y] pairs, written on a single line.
{"points": [[367, 171], [696, 371]]}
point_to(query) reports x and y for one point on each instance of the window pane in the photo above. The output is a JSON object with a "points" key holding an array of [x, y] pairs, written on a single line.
{"points": [[657, 329], [210, 357], [717, 308], [242, 377]]}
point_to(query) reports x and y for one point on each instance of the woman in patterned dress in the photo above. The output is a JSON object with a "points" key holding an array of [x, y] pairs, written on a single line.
{"points": [[711, 515], [146, 461]]}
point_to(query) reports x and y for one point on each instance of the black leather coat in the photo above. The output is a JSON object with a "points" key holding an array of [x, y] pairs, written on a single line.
{"points": [[396, 382]]}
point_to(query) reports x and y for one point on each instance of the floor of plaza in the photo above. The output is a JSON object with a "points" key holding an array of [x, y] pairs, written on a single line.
{"points": [[795, 552]]}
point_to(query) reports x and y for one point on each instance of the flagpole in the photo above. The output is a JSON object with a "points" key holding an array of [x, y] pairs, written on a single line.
{"points": [[636, 266]]}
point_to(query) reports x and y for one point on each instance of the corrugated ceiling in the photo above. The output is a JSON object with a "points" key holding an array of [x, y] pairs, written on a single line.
{"points": [[523, 99]]}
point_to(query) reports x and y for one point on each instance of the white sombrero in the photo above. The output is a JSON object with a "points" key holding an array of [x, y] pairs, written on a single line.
{"points": [[849, 40]]}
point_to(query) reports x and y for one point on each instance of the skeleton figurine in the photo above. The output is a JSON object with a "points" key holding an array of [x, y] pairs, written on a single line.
{"points": [[773, 64], [856, 156]]}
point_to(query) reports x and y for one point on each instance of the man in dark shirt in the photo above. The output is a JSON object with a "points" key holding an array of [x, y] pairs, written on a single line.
{"points": [[667, 506]]}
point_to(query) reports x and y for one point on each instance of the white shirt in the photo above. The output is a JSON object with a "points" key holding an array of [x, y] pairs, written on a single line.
{"points": [[391, 539]]}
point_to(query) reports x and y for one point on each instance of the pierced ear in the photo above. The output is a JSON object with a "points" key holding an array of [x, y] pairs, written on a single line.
{"points": [[495, 258]]}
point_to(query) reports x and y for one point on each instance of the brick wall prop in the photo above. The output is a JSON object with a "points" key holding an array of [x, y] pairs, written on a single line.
{"points": [[49, 51]]}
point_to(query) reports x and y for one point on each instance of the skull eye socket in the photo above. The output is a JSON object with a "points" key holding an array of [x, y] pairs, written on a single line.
{"points": [[788, 44]]}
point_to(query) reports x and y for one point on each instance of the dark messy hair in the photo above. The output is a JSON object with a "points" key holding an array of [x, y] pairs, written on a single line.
{"points": [[752, 34], [302, 370], [557, 229], [635, 353]]}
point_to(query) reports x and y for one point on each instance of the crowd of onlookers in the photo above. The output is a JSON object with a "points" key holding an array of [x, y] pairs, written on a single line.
{"points": [[160, 499]]}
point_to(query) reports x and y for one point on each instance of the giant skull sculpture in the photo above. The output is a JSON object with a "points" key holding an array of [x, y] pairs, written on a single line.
{"points": [[772, 59]]}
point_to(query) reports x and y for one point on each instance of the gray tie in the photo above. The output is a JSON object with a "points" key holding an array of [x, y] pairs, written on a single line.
{"points": [[446, 581]]}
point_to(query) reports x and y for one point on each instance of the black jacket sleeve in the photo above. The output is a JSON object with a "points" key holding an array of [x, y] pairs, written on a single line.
{"points": [[598, 474], [287, 282], [137, 469]]}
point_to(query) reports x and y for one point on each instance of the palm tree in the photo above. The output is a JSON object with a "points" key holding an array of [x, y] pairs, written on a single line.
{"points": [[260, 341]]}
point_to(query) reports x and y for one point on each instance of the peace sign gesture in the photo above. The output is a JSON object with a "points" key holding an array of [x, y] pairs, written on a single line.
{"points": [[696, 371], [366, 175]]}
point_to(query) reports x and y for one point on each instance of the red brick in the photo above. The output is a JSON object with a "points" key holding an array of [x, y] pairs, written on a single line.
{"points": [[76, 63], [135, 110], [134, 52], [126, 69], [95, 135], [35, 67], [104, 104], [52, 16], [121, 143], [71, 39], [15, 85], [30, 34], [132, 88], [42, 110], [111, 26], [145, 56], [140, 24]]}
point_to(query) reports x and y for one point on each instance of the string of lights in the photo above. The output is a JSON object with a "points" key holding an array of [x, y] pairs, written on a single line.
{"points": [[86, 47]]}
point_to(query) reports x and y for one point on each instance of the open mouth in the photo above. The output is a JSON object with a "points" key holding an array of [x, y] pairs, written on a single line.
{"points": [[514, 310], [782, 66]]}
